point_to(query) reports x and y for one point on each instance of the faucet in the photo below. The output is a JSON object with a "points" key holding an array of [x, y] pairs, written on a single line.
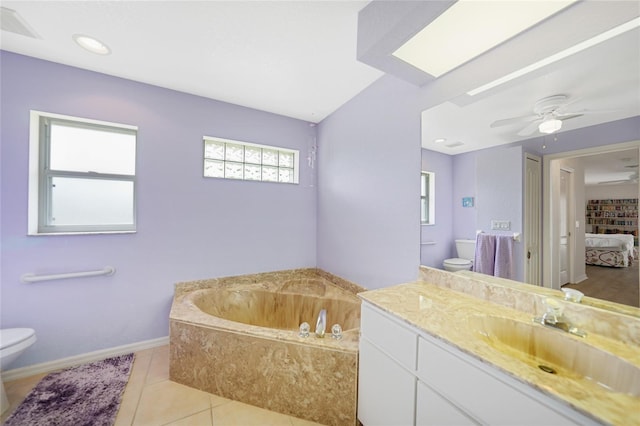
{"points": [[553, 318], [321, 323]]}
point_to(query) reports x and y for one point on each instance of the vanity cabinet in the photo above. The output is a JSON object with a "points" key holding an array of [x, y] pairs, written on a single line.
{"points": [[433, 409], [387, 361], [408, 377]]}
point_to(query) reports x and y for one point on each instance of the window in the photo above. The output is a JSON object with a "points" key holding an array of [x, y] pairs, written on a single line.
{"points": [[427, 198], [230, 159], [82, 176]]}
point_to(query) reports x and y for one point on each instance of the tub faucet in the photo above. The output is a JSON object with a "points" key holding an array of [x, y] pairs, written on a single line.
{"points": [[321, 323]]}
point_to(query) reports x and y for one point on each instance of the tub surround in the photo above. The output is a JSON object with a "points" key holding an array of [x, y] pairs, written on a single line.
{"points": [[241, 358], [441, 304]]}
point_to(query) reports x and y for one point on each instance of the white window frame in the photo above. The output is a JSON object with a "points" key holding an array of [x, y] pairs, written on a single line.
{"points": [[38, 201], [430, 196], [295, 168]]}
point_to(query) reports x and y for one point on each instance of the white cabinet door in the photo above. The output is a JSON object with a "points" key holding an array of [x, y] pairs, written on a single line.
{"points": [[434, 410], [386, 391]]}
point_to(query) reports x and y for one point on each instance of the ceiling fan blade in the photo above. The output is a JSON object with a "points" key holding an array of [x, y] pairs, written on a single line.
{"points": [[514, 120], [564, 117], [528, 131], [596, 111], [613, 182]]}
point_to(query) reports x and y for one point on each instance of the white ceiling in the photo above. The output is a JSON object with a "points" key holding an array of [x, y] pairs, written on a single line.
{"points": [[604, 80], [619, 167], [296, 59]]}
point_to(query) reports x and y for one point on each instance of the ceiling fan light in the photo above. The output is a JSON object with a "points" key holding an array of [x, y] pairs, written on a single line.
{"points": [[550, 126]]}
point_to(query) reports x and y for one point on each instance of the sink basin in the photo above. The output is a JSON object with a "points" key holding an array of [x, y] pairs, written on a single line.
{"points": [[556, 352]]}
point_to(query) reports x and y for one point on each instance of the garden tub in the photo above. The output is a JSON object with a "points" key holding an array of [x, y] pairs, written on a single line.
{"points": [[238, 337]]}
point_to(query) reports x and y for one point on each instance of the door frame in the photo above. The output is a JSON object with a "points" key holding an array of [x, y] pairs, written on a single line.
{"points": [[571, 233], [548, 251]]}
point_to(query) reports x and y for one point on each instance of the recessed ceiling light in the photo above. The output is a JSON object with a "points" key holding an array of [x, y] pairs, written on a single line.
{"points": [[634, 23], [91, 44], [439, 140], [470, 28]]}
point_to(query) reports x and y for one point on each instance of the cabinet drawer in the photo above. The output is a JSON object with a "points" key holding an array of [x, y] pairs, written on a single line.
{"points": [[480, 394], [386, 333]]}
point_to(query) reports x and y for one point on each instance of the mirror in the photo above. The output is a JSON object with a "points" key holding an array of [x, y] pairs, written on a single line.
{"points": [[489, 135], [499, 185]]}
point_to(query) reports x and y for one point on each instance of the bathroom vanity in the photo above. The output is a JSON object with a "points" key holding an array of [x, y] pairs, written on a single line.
{"points": [[431, 355]]}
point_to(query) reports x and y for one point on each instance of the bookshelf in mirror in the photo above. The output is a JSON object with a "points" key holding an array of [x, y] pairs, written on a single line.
{"points": [[613, 216]]}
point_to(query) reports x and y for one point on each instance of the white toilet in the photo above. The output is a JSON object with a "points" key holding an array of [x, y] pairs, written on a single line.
{"points": [[13, 341], [466, 250]]}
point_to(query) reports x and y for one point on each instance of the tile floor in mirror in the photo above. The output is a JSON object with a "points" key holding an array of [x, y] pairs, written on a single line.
{"points": [[150, 398]]}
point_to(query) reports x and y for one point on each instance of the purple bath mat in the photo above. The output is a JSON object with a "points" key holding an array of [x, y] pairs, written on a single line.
{"points": [[85, 395]]}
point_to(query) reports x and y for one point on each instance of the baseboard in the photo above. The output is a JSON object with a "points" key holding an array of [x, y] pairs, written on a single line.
{"points": [[580, 279], [49, 366]]}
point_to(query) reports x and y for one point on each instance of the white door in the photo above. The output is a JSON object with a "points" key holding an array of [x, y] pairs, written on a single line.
{"points": [[532, 205], [564, 228]]}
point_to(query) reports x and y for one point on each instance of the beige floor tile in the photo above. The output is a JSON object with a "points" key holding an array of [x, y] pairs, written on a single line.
{"points": [[302, 422], [167, 401], [159, 367], [151, 399], [202, 418], [236, 414], [17, 390], [131, 395], [218, 400], [145, 352]]}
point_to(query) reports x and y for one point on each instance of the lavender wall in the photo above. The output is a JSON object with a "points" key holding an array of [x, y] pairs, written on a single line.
{"points": [[437, 240], [189, 227], [369, 186], [610, 133], [498, 187], [464, 185]]}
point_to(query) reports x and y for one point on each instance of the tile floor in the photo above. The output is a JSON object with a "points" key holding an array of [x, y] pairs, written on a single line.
{"points": [[150, 398]]}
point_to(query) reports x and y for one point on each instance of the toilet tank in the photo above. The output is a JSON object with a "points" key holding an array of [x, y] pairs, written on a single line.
{"points": [[466, 249]]}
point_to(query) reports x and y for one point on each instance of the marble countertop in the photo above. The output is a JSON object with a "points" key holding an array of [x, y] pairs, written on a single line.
{"points": [[448, 315]]}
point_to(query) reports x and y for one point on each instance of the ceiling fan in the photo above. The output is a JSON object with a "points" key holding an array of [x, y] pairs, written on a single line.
{"points": [[548, 115], [633, 178]]}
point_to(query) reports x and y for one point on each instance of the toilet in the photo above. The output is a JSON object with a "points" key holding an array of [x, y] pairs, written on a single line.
{"points": [[13, 341], [466, 251]]}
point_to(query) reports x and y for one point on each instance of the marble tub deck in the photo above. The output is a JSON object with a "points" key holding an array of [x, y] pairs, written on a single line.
{"points": [[310, 378]]}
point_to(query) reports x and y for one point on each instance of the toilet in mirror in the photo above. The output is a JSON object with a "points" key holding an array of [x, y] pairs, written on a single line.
{"points": [[465, 250]]}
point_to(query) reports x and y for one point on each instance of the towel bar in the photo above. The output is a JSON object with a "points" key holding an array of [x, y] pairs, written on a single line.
{"points": [[32, 278], [516, 235]]}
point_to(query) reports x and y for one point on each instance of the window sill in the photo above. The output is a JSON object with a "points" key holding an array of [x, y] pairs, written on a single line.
{"points": [[43, 234]]}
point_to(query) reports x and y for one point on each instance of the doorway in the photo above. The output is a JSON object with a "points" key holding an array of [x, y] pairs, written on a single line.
{"points": [[551, 216]]}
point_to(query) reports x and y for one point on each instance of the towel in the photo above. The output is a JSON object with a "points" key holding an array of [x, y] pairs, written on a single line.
{"points": [[504, 257], [485, 258]]}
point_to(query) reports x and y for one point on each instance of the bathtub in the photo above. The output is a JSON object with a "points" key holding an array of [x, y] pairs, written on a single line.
{"points": [[238, 337]]}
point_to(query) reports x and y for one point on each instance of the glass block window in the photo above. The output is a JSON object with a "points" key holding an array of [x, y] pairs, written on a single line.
{"points": [[82, 176], [230, 159]]}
